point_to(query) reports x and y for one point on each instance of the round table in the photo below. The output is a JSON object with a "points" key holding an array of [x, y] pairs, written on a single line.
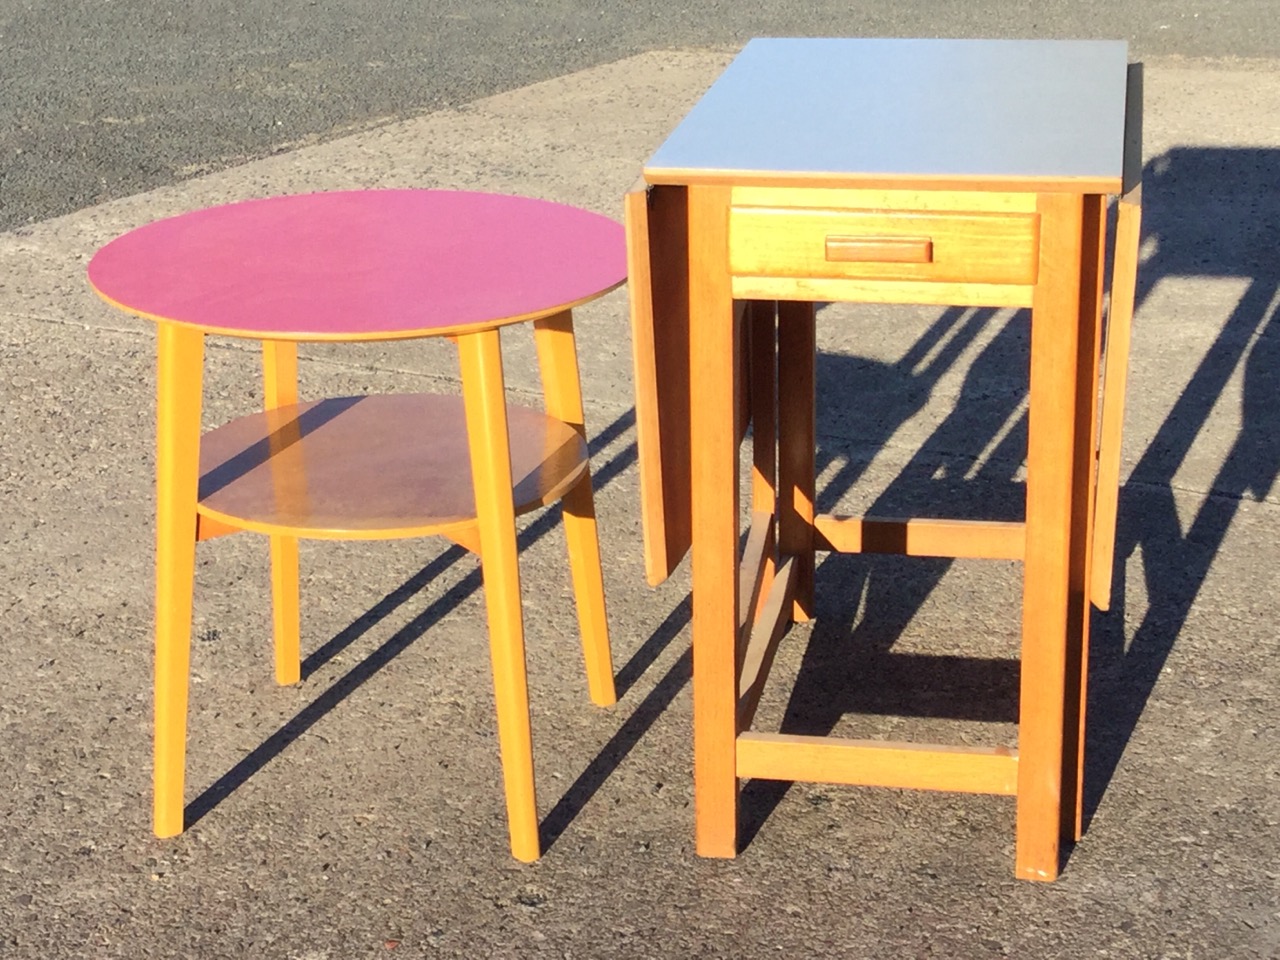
{"points": [[360, 266]]}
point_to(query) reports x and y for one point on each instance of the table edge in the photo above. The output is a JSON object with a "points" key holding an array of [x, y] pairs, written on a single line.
{"points": [[416, 333], [674, 176]]}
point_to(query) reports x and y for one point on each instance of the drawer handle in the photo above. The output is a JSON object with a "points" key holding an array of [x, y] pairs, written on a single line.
{"points": [[879, 250]]}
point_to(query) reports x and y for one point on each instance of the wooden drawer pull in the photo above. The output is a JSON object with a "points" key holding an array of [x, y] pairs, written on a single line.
{"points": [[879, 250]]}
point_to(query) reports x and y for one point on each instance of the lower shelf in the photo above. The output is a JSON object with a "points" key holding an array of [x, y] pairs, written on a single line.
{"points": [[372, 467]]}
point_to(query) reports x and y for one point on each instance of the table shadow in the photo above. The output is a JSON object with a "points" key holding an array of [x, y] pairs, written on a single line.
{"points": [[1208, 213]]}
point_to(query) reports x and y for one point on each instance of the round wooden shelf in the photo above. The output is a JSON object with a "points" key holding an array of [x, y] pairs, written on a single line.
{"points": [[372, 467]]}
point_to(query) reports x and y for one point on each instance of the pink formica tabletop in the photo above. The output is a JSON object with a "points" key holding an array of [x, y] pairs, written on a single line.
{"points": [[362, 265]]}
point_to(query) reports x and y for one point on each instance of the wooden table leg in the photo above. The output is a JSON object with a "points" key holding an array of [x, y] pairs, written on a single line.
{"points": [[179, 376], [762, 319], [714, 346], [797, 346], [484, 397], [1056, 320], [280, 388], [558, 363]]}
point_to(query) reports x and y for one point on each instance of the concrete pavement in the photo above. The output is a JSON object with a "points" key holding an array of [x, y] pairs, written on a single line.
{"points": [[360, 813], [102, 99]]}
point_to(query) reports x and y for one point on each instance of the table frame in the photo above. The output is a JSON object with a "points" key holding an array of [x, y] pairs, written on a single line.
{"points": [[686, 262], [183, 519], [491, 535]]}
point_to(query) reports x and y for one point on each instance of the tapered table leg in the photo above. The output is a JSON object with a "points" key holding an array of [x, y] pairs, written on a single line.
{"points": [[179, 374], [280, 382], [558, 362], [486, 413]]}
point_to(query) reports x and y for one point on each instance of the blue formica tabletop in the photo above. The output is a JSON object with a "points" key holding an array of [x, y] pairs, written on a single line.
{"points": [[1046, 113]]}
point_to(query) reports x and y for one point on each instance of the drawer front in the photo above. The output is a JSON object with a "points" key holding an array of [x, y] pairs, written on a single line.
{"points": [[942, 246]]}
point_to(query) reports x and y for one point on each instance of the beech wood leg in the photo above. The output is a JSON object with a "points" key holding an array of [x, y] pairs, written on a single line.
{"points": [[1083, 505], [1055, 326], [486, 413], [558, 364], [280, 382], [762, 316], [179, 374], [797, 346], [714, 345]]}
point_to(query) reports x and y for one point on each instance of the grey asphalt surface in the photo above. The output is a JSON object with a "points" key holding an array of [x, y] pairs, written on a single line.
{"points": [[104, 98], [359, 813]]}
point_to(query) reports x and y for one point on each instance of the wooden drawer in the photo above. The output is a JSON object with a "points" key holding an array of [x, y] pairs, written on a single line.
{"points": [[823, 234]]}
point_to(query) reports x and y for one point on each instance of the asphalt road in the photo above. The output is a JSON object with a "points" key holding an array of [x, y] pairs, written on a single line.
{"points": [[105, 98]]}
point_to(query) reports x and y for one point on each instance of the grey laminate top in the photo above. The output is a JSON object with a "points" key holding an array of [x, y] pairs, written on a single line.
{"points": [[1036, 109]]}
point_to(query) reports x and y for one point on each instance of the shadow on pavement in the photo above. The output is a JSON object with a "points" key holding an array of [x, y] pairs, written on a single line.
{"points": [[1207, 213]]}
